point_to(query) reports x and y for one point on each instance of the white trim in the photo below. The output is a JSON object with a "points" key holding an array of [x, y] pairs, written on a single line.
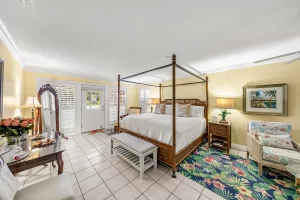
{"points": [[9, 43], [239, 147], [68, 74]]}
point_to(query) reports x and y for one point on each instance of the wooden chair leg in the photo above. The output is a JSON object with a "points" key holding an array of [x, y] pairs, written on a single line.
{"points": [[247, 154], [260, 169]]}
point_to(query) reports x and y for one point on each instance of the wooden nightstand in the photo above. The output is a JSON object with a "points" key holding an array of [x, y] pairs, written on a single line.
{"points": [[219, 133]]}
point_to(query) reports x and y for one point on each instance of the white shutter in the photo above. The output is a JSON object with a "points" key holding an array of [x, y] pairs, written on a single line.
{"points": [[67, 109], [144, 95], [113, 104]]}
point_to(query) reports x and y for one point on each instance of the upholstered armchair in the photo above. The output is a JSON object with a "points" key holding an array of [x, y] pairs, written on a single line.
{"points": [[271, 156]]}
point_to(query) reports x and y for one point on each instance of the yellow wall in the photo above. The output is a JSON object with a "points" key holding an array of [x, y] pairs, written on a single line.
{"points": [[230, 84], [13, 96], [30, 85]]}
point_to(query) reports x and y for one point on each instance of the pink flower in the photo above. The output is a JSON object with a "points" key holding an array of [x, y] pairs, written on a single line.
{"points": [[7, 122], [207, 181], [1, 123], [188, 166], [218, 185], [15, 124], [24, 123], [209, 159], [197, 165], [31, 121]]}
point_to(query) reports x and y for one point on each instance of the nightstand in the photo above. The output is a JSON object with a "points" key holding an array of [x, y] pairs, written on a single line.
{"points": [[219, 135]]}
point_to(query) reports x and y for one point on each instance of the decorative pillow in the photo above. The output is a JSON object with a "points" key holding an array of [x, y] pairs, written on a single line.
{"points": [[162, 108], [183, 110], [168, 109], [197, 111], [279, 141], [157, 109]]}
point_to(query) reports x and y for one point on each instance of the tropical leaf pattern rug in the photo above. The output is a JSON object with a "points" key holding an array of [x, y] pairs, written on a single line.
{"points": [[234, 177]]}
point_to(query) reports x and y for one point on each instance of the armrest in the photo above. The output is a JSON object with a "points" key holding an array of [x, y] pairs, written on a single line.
{"points": [[255, 148], [297, 146]]}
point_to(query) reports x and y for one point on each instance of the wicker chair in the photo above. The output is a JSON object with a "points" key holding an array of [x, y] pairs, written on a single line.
{"points": [[258, 151]]}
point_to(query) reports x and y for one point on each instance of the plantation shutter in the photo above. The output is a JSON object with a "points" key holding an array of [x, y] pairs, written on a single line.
{"points": [[113, 104], [144, 95], [67, 109]]}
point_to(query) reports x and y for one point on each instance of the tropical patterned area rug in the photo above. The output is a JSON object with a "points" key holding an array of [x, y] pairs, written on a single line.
{"points": [[234, 177]]}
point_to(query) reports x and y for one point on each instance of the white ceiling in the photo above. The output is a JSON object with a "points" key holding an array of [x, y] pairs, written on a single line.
{"points": [[102, 38]]}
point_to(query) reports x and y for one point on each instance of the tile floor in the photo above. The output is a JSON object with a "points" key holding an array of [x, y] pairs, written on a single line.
{"points": [[96, 174]]}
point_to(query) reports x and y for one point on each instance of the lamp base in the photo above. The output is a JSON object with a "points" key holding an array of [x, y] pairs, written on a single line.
{"points": [[223, 122]]}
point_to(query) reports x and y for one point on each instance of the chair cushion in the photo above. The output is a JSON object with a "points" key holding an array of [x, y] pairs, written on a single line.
{"points": [[138, 145], [279, 141], [58, 188], [281, 156], [271, 128]]}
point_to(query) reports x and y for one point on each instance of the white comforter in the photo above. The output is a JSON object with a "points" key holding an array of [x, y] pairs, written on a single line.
{"points": [[159, 127]]}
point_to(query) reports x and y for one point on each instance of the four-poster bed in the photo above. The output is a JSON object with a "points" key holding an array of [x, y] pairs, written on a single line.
{"points": [[167, 151]]}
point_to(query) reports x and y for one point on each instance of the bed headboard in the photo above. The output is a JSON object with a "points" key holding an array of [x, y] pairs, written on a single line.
{"points": [[195, 102]]}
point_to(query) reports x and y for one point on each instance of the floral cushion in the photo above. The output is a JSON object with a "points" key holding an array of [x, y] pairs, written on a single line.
{"points": [[281, 156], [183, 110], [279, 141], [271, 128]]}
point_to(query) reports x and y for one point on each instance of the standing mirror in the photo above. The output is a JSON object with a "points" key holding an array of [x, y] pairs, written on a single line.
{"points": [[48, 114]]}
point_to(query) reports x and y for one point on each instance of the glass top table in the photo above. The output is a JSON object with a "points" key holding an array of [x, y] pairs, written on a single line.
{"points": [[40, 156]]}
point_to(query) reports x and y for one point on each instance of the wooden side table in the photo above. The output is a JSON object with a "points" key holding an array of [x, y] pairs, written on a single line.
{"points": [[219, 133]]}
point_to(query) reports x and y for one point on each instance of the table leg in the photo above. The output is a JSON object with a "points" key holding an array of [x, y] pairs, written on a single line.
{"points": [[60, 163]]}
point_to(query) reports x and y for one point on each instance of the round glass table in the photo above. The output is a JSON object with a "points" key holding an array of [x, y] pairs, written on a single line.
{"points": [[295, 170]]}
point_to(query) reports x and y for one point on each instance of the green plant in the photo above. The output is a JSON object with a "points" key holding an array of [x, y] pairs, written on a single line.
{"points": [[224, 113]]}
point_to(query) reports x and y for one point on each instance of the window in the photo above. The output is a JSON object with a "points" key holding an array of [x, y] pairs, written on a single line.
{"points": [[67, 108], [113, 104], [93, 99], [144, 95]]}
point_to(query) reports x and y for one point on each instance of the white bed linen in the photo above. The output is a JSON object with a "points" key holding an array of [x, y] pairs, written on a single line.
{"points": [[159, 127]]}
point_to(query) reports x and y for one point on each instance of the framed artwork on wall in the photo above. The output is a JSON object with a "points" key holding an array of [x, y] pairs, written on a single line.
{"points": [[266, 99], [1, 86]]}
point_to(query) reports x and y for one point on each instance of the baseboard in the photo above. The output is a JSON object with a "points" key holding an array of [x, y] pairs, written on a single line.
{"points": [[239, 147]]}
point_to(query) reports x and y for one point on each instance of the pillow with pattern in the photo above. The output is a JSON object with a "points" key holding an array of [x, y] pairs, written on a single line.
{"points": [[279, 141], [160, 109], [183, 110]]}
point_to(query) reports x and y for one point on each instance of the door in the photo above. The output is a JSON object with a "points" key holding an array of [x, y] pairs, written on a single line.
{"points": [[93, 108], [48, 111]]}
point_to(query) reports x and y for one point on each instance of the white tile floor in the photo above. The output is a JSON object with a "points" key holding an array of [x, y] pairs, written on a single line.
{"points": [[96, 174]]}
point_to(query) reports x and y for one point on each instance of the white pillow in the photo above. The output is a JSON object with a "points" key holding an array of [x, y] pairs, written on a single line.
{"points": [[197, 111], [168, 110]]}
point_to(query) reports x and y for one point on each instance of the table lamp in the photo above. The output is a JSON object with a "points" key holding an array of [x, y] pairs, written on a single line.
{"points": [[152, 101], [31, 102], [224, 104]]}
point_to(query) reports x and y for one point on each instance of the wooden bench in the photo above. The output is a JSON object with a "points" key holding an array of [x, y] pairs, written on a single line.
{"points": [[135, 151]]}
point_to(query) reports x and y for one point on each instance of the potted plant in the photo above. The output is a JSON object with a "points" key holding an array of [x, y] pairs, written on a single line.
{"points": [[15, 128]]}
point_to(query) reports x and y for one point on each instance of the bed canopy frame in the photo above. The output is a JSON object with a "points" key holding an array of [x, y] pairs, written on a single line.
{"points": [[173, 158]]}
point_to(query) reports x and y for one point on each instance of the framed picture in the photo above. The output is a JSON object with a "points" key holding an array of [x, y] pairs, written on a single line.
{"points": [[265, 99]]}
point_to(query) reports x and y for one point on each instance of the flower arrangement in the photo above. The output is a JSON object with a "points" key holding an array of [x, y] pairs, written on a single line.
{"points": [[15, 127]]}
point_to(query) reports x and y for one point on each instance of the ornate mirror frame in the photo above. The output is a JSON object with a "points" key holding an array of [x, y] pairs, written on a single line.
{"points": [[51, 89]]}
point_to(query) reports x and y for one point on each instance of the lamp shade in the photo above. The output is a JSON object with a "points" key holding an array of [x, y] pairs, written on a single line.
{"points": [[31, 102], [225, 103], [153, 101]]}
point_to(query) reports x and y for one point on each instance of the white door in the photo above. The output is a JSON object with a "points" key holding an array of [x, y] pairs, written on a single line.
{"points": [[93, 108], [48, 111]]}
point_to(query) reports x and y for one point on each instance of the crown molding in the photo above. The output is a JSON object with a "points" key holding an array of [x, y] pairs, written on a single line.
{"points": [[9, 43], [70, 74]]}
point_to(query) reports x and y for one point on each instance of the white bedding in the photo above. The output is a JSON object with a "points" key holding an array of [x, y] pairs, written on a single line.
{"points": [[159, 127]]}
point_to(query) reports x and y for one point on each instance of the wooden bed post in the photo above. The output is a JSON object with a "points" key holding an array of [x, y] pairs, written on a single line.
{"points": [[118, 130], [160, 93], [174, 115], [206, 85]]}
